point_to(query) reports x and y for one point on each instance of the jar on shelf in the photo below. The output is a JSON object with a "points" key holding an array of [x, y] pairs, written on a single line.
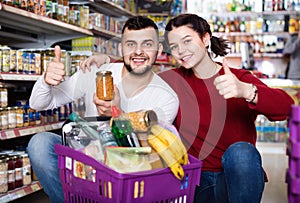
{"points": [[38, 120], [11, 172], [49, 8], [12, 119], [31, 115], [19, 61], [104, 85], [5, 59], [26, 169], [13, 61], [26, 116], [60, 10], [3, 96], [18, 169], [66, 11], [3, 174], [19, 116], [24, 5], [8, 2], [3, 118]]}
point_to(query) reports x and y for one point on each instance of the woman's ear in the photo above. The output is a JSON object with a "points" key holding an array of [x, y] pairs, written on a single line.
{"points": [[206, 39]]}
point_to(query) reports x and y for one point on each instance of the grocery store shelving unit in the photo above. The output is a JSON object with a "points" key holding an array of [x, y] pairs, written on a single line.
{"points": [[23, 29], [19, 132], [26, 30], [266, 15], [24, 131], [20, 192], [109, 8]]}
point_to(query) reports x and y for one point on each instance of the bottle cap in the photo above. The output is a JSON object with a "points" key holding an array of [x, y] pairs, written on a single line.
{"points": [[73, 117], [150, 118], [67, 128]]}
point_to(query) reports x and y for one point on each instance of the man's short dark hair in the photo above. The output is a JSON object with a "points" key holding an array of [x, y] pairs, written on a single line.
{"points": [[138, 23]]}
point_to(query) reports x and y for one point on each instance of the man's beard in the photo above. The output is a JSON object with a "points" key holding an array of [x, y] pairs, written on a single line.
{"points": [[131, 71]]}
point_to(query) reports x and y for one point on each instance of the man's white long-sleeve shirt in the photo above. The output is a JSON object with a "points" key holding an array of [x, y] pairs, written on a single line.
{"points": [[157, 96]]}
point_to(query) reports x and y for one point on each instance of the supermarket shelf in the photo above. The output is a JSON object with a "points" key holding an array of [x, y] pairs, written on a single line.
{"points": [[252, 13], [109, 8], [24, 131], [247, 34], [20, 192], [106, 33], [19, 77], [23, 29], [282, 83], [257, 55]]}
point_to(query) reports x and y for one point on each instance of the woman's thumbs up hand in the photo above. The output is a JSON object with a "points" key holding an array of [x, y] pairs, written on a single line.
{"points": [[55, 70], [229, 86]]}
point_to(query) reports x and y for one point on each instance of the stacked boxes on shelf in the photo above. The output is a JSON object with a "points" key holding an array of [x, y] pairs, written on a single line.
{"points": [[293, 151]]}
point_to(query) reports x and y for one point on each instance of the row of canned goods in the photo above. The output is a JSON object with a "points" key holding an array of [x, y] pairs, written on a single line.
{"points": [[24, 116], [18, 116], [35, 61], [56, 114], [20, 61], [15, 170]]}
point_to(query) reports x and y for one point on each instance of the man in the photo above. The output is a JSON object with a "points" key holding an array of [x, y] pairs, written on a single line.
{"points": [[136, 88]]}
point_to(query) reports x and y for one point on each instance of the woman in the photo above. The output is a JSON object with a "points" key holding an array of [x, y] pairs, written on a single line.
{"points": [[218, 109], [217, 113]]}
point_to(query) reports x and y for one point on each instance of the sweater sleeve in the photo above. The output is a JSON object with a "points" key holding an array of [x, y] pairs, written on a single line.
{"points": [[44, 96], [274, 103]]}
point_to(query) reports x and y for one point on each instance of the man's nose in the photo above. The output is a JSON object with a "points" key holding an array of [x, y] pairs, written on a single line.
{"points": [[139, 49]]}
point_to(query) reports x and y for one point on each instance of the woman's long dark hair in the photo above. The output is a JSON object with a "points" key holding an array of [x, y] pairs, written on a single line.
{"points": [[219, 46]]}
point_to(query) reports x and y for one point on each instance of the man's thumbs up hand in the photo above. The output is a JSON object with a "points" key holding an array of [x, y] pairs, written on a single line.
{"points": [[55, 70], [229, 86], [57, 54]]}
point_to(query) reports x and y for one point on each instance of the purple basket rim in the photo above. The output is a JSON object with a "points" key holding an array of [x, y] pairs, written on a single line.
{"points": [[69, 152]]}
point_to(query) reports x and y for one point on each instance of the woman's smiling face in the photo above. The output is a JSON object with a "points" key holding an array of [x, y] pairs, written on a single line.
{"points": [[187, 47]]}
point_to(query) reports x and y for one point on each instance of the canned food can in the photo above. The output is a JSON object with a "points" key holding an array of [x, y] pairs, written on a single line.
{"points": [[31, 62], [38, 63], [19, 60], [13, 61], [25, 62], [5, 59]]}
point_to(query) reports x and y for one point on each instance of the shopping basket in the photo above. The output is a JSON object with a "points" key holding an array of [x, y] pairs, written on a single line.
{"points": [[158, 185]]}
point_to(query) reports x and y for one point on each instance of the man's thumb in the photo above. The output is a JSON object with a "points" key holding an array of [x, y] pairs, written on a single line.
{"points": [[57, 53]]}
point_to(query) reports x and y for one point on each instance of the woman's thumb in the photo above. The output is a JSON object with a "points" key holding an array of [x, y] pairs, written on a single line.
{"points": [[226, 67]]}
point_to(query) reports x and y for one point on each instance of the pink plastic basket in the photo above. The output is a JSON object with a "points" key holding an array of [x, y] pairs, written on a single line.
{"points": [[158, 185]]}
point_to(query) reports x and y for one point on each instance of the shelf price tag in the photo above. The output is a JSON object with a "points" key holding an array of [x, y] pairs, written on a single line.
{"points": [[27, 131], [10, 134], [35, 187], [18, 194]]}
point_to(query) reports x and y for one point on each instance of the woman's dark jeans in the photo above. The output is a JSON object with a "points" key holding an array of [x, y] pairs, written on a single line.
{"points": [[241, 181]]}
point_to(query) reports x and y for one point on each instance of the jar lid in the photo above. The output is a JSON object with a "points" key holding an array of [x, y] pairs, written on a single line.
{"points": [[101, 73], [150, 118]]}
